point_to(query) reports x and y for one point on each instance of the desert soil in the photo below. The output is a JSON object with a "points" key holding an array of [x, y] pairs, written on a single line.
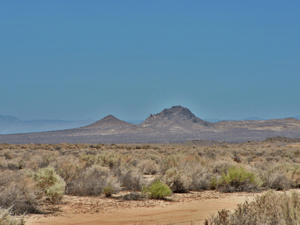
{"points": [[180, 209]]}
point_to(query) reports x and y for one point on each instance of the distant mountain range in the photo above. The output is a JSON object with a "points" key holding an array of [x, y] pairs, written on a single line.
{"points": [[11, 124], [173, 125], [215, 120]]}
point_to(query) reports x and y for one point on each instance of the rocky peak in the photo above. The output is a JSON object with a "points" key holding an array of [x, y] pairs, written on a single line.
{"points": [[176, 114]]}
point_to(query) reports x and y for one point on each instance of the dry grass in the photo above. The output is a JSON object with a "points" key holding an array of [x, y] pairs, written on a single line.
{"points": [[7, 219], [270, 208]]}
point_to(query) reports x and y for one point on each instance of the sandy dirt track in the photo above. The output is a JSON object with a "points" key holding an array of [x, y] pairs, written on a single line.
{"points": [[187, 207]]}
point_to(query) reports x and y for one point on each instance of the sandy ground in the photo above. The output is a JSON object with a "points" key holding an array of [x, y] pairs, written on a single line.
{"points": [[182, 209]]}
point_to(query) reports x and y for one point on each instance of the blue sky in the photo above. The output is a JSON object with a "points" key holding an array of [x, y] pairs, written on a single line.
{"points": [[76, 60]]}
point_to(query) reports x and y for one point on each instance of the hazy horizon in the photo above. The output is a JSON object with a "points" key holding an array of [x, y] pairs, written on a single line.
{"points": [[78, 60]]}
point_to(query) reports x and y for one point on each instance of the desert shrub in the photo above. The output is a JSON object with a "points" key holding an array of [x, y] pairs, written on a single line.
{"points": [[92, 181], [270, 208], [214, 182], [47, 159], [134, 162], [157, 190], [89, 159], [292, 172], [19, 192], [3, 163], [148, 166], [67, 167], [170, 162], [35, 162], [177, 180], [280, 176], [108, 190], [146, 146], [200, 180], [239, 179], [154, 157], [274, 178], [131, 179], [7, 219], [12, 166], [219, 167], [210, 154], [109, 159], [236, 158], [279, 182], [5, 178], [105, 159], [8, 155], [48, 181]]}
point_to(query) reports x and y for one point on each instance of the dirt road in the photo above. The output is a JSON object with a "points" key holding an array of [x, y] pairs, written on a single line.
{"points": [[183, 211]]}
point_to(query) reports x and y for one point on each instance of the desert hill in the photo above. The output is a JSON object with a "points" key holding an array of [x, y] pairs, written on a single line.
{"points": [[178, 116], [173, 125], [108, 122]]}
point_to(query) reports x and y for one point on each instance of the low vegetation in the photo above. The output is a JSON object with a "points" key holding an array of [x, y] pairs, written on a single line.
{"points": [[157, 190], [7, 219], [34, 175], [270, 208], [238, 179], [52, 185]]}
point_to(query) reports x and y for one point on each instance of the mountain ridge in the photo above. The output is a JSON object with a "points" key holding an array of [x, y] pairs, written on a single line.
{"points": [[174, 125]]}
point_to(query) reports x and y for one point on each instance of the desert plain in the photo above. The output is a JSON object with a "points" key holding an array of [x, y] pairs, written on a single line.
{"points": [[173, 168], [195, 171]]}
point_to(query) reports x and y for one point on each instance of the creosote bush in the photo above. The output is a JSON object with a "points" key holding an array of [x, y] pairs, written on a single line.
{"points": [[52, 184], [67, 167], [238, 179], [92, 181], [200, 180], [148, 166], [157, 190], [177, 180], [20, 194], [131, 179]]}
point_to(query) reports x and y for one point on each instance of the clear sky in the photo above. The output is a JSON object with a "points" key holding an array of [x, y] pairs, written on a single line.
{"points": [[74, 60]]}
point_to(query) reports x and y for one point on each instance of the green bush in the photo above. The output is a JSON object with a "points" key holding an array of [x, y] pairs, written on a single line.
{"points": [[238, 179], [48, 181], [235, 176], [157, 190], [108, 190], [214, 183]]}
